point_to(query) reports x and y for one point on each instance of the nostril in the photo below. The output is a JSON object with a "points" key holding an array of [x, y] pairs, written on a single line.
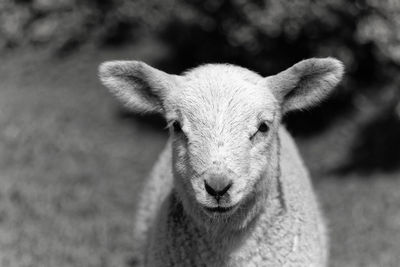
{"points": [[225, 189], [217, 188], [209, 189]]}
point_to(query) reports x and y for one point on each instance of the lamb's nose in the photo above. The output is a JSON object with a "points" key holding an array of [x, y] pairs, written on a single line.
{"points": [[217, 185]]}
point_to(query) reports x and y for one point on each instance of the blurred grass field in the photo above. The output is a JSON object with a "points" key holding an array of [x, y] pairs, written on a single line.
{"points": [[71, 169]]}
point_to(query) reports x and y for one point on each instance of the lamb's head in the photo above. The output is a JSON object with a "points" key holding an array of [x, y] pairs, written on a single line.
{"points": [[223, 122]]}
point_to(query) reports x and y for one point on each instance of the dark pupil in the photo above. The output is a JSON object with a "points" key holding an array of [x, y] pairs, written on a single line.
{"points": [[177, 126], [263, 128]]}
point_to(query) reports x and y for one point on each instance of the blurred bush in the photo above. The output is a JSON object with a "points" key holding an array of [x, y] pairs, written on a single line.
{"points": [[58, 24], [248, 28], [331, 27], [265, 35]]}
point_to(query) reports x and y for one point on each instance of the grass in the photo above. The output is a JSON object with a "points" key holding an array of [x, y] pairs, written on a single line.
{"points": [[71, 169]]}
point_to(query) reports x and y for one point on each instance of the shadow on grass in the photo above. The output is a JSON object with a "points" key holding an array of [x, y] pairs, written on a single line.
{"points": [[150, 121], [377, 146], [312, 122]]}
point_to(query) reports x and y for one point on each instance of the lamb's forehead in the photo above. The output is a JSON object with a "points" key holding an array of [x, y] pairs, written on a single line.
{"points": [[223, 89], [212, 71]]}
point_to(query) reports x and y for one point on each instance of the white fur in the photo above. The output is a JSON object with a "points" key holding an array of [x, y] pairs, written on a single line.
{"points": [[275, 219]]}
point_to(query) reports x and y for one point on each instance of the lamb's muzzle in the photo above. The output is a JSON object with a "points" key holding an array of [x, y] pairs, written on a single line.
{"points": [[217, 185]]}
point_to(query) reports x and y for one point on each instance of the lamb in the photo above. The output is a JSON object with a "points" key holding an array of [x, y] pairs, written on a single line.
{"points": [[230, 188]]}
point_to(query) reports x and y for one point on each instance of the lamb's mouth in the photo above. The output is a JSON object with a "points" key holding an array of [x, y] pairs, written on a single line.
{"points": [[219, 209]]}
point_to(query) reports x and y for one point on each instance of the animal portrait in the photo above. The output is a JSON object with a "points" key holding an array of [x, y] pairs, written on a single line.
{"points": [[218, 133], [231, 182]]}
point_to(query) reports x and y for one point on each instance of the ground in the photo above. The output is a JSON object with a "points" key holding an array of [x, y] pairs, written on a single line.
{"points": [[72, 166]]}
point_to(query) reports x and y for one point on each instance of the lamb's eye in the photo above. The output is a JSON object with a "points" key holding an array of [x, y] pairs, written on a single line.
{"points": [[177, 127], [263, 128]]}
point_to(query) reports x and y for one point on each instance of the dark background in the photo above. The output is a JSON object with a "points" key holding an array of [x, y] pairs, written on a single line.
{"points": [[72, 161]]}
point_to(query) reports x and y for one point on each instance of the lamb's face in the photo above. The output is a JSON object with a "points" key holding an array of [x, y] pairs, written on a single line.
{"points": [[222, 123]]}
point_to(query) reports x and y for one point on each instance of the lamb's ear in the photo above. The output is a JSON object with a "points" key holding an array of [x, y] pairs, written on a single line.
{"points": [[306, 83], [140, 87]]}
